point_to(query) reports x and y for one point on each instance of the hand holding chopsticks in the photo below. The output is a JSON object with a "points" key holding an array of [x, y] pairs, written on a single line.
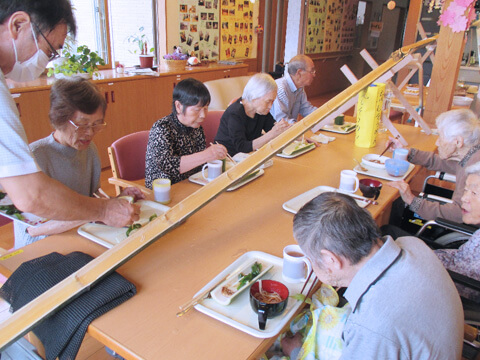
{"points": [[388, 147], [228, 156]]}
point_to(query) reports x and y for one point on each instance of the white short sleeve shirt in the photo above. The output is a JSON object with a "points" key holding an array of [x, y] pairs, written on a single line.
{"points": [[15, 156]]}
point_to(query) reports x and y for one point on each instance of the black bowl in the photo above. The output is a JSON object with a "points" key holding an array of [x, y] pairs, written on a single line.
{"points": [[268, 310], [370, 188]]}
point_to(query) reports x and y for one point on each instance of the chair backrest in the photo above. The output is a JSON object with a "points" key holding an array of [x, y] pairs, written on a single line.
{"points": [[222, 91], [129, 156], [210, 125]]}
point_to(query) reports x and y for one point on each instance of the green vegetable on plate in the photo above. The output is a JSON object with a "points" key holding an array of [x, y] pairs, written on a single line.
{"points": [[245, 279]]}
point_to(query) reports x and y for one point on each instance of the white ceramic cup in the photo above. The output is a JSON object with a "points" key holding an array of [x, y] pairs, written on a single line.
{"points": [[296, 266], [348, 181], [400, 154], [161, 190], [214, 169]]}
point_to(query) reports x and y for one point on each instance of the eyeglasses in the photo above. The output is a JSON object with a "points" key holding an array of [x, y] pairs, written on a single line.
{"points": [[313, 72], [54, 54], [85, 128]]}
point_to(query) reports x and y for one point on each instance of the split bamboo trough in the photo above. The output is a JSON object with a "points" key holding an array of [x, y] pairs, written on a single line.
{"points": [[26, 318]]}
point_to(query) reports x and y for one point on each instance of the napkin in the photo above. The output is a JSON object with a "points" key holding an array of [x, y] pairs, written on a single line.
{"points": [[324, 139], [62, 333]]}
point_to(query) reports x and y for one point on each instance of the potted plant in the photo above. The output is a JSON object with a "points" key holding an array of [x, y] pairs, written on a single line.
{"points": [[176, 60], [140, 40], [81, 62]]}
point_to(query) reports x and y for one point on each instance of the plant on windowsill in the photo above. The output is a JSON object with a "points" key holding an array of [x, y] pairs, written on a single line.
{"points": [[80, 62], [140, 40]]}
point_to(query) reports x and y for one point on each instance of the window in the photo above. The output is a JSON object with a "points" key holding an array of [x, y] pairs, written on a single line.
{"points": [[104, 27]]}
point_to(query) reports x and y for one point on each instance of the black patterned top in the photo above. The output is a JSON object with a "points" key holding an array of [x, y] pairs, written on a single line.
{"points": [[168, 141]]}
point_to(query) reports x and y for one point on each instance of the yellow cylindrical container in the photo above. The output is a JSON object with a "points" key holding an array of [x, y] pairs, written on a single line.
{"points": [[369, 113]]}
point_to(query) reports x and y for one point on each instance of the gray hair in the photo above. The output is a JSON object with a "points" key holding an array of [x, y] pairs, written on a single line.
{"points": [[298, 62], [259, 85], [473, 169], [335, 222], [460, 122]]}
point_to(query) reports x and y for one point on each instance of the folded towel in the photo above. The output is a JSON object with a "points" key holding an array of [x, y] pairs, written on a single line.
{"points": [[324, 139], [62, 333]]}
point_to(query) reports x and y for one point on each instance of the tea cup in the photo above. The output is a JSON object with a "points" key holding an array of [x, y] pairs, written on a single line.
{"points": [[348, 181], [214, 170], [296, 266]]}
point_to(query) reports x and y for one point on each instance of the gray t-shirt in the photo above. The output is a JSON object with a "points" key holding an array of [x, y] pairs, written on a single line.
{"points": [[404, 306], [79, 170]]}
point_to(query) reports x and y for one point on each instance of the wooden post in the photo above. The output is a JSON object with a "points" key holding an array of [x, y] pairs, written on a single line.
{"points": [[445, 72]]}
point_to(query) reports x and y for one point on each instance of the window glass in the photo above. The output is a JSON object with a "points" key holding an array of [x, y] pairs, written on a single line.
{"points": [[126, 18]]}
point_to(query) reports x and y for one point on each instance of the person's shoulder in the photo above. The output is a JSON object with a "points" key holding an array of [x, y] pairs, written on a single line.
{"points": [[41, 144]]}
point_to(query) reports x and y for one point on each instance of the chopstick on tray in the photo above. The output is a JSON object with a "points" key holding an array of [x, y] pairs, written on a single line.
{"points": [[361, 198]]}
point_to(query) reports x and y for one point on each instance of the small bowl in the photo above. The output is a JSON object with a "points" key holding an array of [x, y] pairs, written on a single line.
{"points": [[396, 167], [370, 188], [462, 100], [375, 161], [268, 310]]}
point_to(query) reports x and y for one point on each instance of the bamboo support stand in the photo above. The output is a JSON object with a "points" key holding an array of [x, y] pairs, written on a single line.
{"points": [[46, 304]]}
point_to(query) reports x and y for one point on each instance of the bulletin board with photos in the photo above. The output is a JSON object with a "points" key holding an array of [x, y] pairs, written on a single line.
{"points": [[237, 29], [199, 28], [330, 26]]}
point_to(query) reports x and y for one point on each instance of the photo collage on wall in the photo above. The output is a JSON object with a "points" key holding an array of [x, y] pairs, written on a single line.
{"points": [[199, 28], [237, 29], [331, 25]]}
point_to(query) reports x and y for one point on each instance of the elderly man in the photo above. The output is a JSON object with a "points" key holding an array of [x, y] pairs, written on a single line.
{"points": [[30, 33], [291, 98], [404, 304]]}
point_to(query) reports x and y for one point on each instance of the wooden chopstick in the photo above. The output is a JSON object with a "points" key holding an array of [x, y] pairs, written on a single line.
{"points": [[388, 147], [361, 198], [306, 282], [228, 155]]}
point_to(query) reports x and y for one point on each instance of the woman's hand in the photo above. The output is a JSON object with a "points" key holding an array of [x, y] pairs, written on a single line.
{"points": [[404, 189], [289, 343], [133, 191], [279, 127], [216, 152], [395, 144]]}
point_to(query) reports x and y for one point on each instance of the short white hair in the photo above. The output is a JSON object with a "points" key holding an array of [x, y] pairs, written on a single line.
{"points": [[473, 169], [259, 85], [460, 122]]}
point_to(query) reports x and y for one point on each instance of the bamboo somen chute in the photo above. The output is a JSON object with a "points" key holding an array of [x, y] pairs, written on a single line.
{"points": [[52, 300]]}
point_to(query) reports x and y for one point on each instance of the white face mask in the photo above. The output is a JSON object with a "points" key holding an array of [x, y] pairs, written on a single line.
{"points": [[30, 69]]}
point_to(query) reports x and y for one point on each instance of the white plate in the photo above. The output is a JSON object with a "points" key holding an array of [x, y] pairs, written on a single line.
{"points": [[197, 178], [338, 128], [239, 313], [307, 148], [29, 219], [233, 280], [382, 173], [295, 204], [109, 236]]}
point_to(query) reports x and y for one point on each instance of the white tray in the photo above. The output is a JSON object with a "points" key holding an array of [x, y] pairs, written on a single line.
{"points": [[29, 219], [307, 148], [239, 313], [338, 128], [197, 178], [295, 204], [382, 173], [109, 236]]}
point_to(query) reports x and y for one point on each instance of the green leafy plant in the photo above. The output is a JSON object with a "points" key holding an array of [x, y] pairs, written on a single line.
{"points": [[140, 40], [81, 60]]}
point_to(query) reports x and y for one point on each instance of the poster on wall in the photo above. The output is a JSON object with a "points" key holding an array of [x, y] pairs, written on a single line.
{"points": [[317, 12], [348, 25], [237, 29], [199, 28], [333, 25]]}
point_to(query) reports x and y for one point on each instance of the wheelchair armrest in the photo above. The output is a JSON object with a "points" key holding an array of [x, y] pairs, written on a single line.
{"points": [[464, 280], [460, 227], [441, 175]]}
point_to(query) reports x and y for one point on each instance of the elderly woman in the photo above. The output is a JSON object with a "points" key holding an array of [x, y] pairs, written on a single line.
{"points": [[68, 155], [466, 259], [242, 123], [176, 145], [458, 147]]}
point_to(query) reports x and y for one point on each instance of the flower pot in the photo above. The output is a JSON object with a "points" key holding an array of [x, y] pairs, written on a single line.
{"points": [[146, 61], [175, 65]]}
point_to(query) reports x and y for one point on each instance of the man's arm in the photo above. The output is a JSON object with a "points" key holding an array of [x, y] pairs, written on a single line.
{"points": [[43, 196]]}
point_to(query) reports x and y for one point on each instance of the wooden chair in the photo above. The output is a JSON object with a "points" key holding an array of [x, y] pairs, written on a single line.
{"points": [[127, 159], [210, 125]]}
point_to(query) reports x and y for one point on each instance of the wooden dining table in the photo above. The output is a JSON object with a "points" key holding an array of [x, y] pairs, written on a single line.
{"points": [[168, 273]]}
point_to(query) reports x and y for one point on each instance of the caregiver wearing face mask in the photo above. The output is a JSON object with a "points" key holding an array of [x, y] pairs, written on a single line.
{"points": [[31, 31]]}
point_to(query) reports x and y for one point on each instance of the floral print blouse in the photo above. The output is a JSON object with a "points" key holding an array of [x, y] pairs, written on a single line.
{"points": [[466, 261], [168, 141]]}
